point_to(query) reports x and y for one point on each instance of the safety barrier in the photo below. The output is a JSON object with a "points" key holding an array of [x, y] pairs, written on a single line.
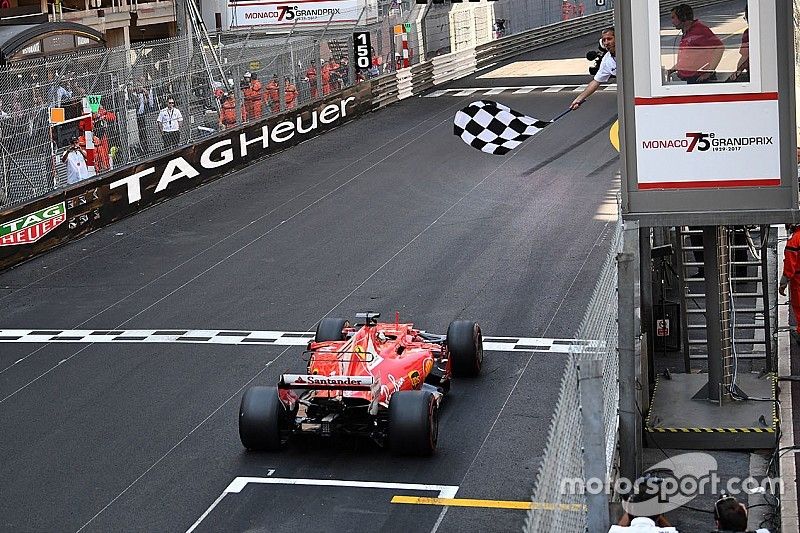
{"points": [[30, 229], [558, 507]]}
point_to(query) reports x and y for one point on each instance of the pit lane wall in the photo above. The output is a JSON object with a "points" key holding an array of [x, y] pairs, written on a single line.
{"points": [[30, 229]]}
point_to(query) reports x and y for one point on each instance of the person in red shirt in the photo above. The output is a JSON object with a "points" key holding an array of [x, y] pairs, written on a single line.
{"points": [[227, 115], [290, 93], [743, 65], [699, 52], [311, 74], [791, 277], [272, 94], [252, 96]]}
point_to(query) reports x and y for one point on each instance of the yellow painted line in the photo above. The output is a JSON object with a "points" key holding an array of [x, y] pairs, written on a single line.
{"points": [[613, 135], [489, 504]]}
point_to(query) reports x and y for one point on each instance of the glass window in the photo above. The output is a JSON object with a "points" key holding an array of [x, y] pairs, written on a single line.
{"points": [[704, 45]]}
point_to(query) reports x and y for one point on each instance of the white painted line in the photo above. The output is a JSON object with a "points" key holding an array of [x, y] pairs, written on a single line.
{"points": [[434, 94], [612, 87], [465, 92], [554, 89], [238, 484], [497, 90], [208, 512], [579, 88]]}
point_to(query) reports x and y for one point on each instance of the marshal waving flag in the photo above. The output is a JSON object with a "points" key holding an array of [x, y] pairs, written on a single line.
{"points": [[494, 128]]}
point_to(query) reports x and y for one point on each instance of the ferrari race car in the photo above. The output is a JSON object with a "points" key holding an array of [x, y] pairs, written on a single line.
{"points": [[379, 380]]}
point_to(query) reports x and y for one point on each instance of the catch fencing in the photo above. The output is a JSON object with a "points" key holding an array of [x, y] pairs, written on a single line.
{"points": [[134, 84], [555, 507]]}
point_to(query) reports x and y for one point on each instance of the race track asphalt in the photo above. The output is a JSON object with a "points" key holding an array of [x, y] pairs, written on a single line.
{"points": [[390, 213]]}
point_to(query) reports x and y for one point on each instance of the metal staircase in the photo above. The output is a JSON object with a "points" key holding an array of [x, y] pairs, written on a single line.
{"points": [[747, 256]]}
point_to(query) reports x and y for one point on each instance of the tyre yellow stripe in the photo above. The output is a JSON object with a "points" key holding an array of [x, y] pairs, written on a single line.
{"points": [[491, 504]]}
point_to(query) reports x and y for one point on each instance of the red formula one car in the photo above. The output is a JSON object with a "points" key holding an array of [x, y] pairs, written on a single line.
{"points": [[380, 380]]}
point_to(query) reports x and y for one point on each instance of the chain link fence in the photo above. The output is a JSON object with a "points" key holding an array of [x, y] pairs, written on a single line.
{"points": [[557, 508], [248, 76]]}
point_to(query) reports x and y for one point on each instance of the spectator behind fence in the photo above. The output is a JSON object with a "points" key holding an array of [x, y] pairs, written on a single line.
{"points": [[145, 103], [251, 88], [289, 93], [169, 122], [75, 158], [272, 94], [311, 77], [102, 133], [227, 115], [730, 516]]}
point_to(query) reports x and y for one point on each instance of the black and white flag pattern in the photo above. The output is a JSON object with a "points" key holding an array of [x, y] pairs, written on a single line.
{"points": [[494, 128]]}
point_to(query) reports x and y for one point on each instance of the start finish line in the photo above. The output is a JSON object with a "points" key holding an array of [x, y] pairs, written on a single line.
{"points": [[236, 337]]}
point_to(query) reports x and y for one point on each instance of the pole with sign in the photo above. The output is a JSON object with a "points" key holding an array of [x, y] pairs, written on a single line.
{"points": [[362, 48]]}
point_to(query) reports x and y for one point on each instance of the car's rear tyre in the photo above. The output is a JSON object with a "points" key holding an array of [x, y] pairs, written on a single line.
{"points": [[330, 329], [413, 423], [261, 416], [465, 345]]}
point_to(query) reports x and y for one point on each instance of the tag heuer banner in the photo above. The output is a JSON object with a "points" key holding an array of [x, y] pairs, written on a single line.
{"points": [[302, 13]]}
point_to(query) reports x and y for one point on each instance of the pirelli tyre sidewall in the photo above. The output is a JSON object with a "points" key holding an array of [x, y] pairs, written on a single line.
{"points": [[465, 347], [413, 423], [261, 417]]}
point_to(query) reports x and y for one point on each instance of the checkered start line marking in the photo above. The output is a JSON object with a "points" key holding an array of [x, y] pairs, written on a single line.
{"points": [[276, 338], [522, 89]]}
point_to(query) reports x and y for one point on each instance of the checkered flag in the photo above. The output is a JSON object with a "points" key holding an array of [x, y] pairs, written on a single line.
{"points": [[494, 128]]}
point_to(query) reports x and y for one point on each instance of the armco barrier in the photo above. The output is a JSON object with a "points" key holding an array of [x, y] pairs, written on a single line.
{"points": [[30, 229]]}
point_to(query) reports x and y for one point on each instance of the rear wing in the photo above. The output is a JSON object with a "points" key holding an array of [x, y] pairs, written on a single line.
{"points": [[317, 381]]}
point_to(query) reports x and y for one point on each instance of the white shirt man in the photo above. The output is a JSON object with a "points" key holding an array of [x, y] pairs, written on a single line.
{"points": [[169, 122], [75, 158], [642, 525], [608, 68]]}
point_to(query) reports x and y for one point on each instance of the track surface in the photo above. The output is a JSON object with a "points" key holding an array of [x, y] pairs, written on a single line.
{"points": [[388, 213]]}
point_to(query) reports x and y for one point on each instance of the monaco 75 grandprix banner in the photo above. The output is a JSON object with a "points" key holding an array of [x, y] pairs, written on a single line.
{"points": [[708, 144], [304, 12]]}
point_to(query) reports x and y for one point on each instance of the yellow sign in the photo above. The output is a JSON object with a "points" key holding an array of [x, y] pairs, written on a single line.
{"points": [[255, 65], [613, 135]]}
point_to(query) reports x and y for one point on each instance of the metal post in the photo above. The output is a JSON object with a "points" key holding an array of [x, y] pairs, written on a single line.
{"points": [[713, 324], [646, 291], [590, 388], [630, 421]]}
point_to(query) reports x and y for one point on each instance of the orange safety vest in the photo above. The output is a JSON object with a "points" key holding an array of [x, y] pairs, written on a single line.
{"points": [[229, 112], [791, 269], [252, 100], [290, 93]]}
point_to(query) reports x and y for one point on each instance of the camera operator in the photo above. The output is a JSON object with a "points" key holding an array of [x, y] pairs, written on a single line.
{"points": [[607, 69], [730, 516], [75, 158]]}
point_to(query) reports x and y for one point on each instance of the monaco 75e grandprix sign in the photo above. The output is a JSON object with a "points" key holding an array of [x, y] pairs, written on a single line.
{"points": [[708, 144], [303, 12]]}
